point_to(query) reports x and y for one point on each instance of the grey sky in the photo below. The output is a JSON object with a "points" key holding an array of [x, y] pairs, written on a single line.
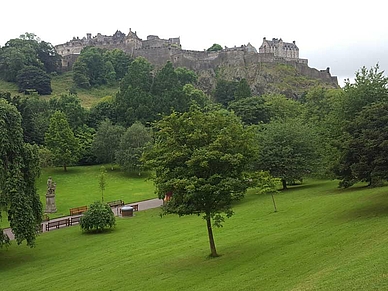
{"points": [[343, 35]]}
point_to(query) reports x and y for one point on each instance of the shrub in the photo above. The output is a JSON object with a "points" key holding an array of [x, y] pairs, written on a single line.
{"points": [[98, 217]]}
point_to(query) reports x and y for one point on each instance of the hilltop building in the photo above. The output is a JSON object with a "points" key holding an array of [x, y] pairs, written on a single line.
{"points": [[158, 51]]}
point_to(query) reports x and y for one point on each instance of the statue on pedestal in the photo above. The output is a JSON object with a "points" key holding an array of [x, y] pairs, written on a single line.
{"points": [[50, 196]]}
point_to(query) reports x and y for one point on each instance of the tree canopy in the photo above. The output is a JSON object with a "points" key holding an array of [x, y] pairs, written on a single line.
{"points": [[200, 157], [27, 50], [60, 140], [19, 168], [287, 150]]}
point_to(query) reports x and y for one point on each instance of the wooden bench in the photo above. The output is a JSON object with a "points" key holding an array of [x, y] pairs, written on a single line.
{"points": [[116, 203], [135, 207], [75, 219], [57, 224], [78, 210]]}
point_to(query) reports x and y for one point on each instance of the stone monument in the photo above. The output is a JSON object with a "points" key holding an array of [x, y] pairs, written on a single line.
{"points": [[50, 196]]}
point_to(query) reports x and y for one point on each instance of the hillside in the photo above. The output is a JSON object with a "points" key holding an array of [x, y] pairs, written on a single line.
{"points": [[266, 78], [263, 78]]}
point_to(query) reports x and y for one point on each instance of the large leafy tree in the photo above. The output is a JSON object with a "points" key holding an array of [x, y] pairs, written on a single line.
{"points": [[365, 153], [60, 140], [35, 114], [251, 110], [132, 145], [369, 86], [199, 157], [106, 141], [19, 168], [287, 150], [70, 104], [134, 100], [27, 50], [32, 78]]}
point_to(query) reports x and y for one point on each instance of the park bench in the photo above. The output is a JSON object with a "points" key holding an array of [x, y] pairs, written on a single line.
{"points": [[116, 203], [75, 219], [78, 210], [135, 207], [57, 223]]}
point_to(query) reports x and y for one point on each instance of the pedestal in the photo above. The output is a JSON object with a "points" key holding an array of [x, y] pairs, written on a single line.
{"points": [[50, 203]]}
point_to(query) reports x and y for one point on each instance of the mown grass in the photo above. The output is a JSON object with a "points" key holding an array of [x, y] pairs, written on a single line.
{"points": [[80, 186], [322, 238]]}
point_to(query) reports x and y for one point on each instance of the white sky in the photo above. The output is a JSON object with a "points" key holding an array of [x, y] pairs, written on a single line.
{"points": [[343, 34]]}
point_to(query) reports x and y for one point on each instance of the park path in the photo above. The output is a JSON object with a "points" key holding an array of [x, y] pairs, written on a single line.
{"points": [[143, 205]]}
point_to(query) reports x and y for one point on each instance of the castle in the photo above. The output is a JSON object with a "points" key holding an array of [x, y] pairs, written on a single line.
{"points": [[158, 51]]}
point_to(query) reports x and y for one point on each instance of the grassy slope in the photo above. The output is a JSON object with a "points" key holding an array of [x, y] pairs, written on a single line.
{"points": [[80, 186], [322, 238], [61, 84]]}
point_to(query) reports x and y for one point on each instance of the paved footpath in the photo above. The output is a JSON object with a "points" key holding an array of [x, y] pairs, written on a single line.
{"points": [[143, 205]]}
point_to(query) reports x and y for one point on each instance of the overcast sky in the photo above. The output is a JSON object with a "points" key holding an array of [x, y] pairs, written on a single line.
{"points": [[343, 35]]}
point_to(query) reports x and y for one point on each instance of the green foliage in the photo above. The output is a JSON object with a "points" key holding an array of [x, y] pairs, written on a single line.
{"points": [[19, 168], [98, 218], [215, 47], [27, 50], [85, 136], [104, 109], [107, 141], [364, 154], [70, 104], [251, 110], [60, 140], [200, 157], [145, 98], [369, 86], [287, 150], [32, 78], [267, 184], [102, 182], [80, 76], [224, 92], [243, 90], [132, 145], [281, 108], [96, 66]]}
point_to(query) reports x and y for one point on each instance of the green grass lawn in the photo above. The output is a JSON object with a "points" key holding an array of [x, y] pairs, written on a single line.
{"points": [[62, 83], [80, 186], [322, 238]]}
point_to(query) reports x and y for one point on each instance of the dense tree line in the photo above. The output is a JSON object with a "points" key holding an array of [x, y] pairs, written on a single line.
{"points": [[29, 61]]}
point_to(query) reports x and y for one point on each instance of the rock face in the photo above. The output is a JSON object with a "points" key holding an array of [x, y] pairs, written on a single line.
{"points": [[258, 68]]}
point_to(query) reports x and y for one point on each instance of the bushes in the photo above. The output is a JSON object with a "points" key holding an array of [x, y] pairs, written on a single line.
{"points": [[98, 217]]}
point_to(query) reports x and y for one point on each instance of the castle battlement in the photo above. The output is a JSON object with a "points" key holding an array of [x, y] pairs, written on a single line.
{"points": [[158, 51]]}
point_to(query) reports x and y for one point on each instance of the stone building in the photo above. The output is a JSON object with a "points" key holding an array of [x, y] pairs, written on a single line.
{"points": [[280, 48], [158, 51]]}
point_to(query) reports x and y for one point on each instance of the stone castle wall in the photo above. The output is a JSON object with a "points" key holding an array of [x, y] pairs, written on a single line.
{"points": [[158, 51]]}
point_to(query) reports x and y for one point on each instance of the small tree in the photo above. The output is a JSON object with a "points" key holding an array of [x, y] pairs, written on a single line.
{"points": [[267, 185], [98, 218], [102, 182], [215, 47]]}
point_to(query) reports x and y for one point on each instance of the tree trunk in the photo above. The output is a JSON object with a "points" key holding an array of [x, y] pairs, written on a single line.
{"points": [[274, 204], [65, 167], [213, 251], [284, 183]]}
